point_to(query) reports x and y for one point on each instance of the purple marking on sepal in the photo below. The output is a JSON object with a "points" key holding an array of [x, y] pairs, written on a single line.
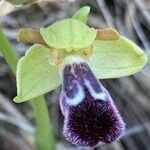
{"points": [[92, 120]]}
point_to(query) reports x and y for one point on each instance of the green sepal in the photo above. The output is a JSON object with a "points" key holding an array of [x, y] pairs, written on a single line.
{"points": [[116, 58], [68, 34], [35, 74], [82, 14]]}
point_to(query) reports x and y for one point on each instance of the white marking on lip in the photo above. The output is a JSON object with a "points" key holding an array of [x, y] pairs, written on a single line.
{"points": [[78, 97], [101, 95]]}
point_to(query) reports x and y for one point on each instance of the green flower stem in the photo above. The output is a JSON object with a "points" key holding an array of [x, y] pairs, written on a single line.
{"points": [[8, 52], [44, 133]]}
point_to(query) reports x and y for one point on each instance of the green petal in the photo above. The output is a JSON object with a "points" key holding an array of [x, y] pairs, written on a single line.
{"points": [[82, 14], [35, 74], [117, 58], [68, 34]]}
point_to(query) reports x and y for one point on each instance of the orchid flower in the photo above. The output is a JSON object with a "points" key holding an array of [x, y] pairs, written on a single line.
{"points": [[71, 54]]}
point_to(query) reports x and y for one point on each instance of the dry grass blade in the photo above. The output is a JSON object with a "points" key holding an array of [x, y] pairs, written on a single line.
{"points": [[12, 110]]}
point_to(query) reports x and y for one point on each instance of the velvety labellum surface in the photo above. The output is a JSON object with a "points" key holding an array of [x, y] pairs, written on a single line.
{"points": [[90, 114]]}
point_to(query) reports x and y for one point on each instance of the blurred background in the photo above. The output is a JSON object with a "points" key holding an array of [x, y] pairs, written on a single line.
{"points": [[131, 94]]}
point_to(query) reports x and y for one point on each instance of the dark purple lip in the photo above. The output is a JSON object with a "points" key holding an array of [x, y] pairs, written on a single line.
{"points": [[90, 114]]}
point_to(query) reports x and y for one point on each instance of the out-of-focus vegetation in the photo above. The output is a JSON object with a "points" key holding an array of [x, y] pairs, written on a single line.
{"points": [[131, 94]]}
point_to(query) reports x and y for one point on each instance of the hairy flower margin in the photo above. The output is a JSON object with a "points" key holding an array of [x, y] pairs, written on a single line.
{"points": [[90, 114], [72, 54]]}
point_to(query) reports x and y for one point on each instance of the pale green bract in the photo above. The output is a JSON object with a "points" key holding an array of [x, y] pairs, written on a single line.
{"points": [[82, 14], [35, 74], [68, 34], [118, 58]]}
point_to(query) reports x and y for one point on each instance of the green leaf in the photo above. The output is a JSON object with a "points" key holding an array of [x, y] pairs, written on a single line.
{"points": [[117, 58], [68, 34], [82, 14], [35, 74]]}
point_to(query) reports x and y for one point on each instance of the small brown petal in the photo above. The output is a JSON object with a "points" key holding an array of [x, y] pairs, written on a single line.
{"points": [[107, 34]]}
